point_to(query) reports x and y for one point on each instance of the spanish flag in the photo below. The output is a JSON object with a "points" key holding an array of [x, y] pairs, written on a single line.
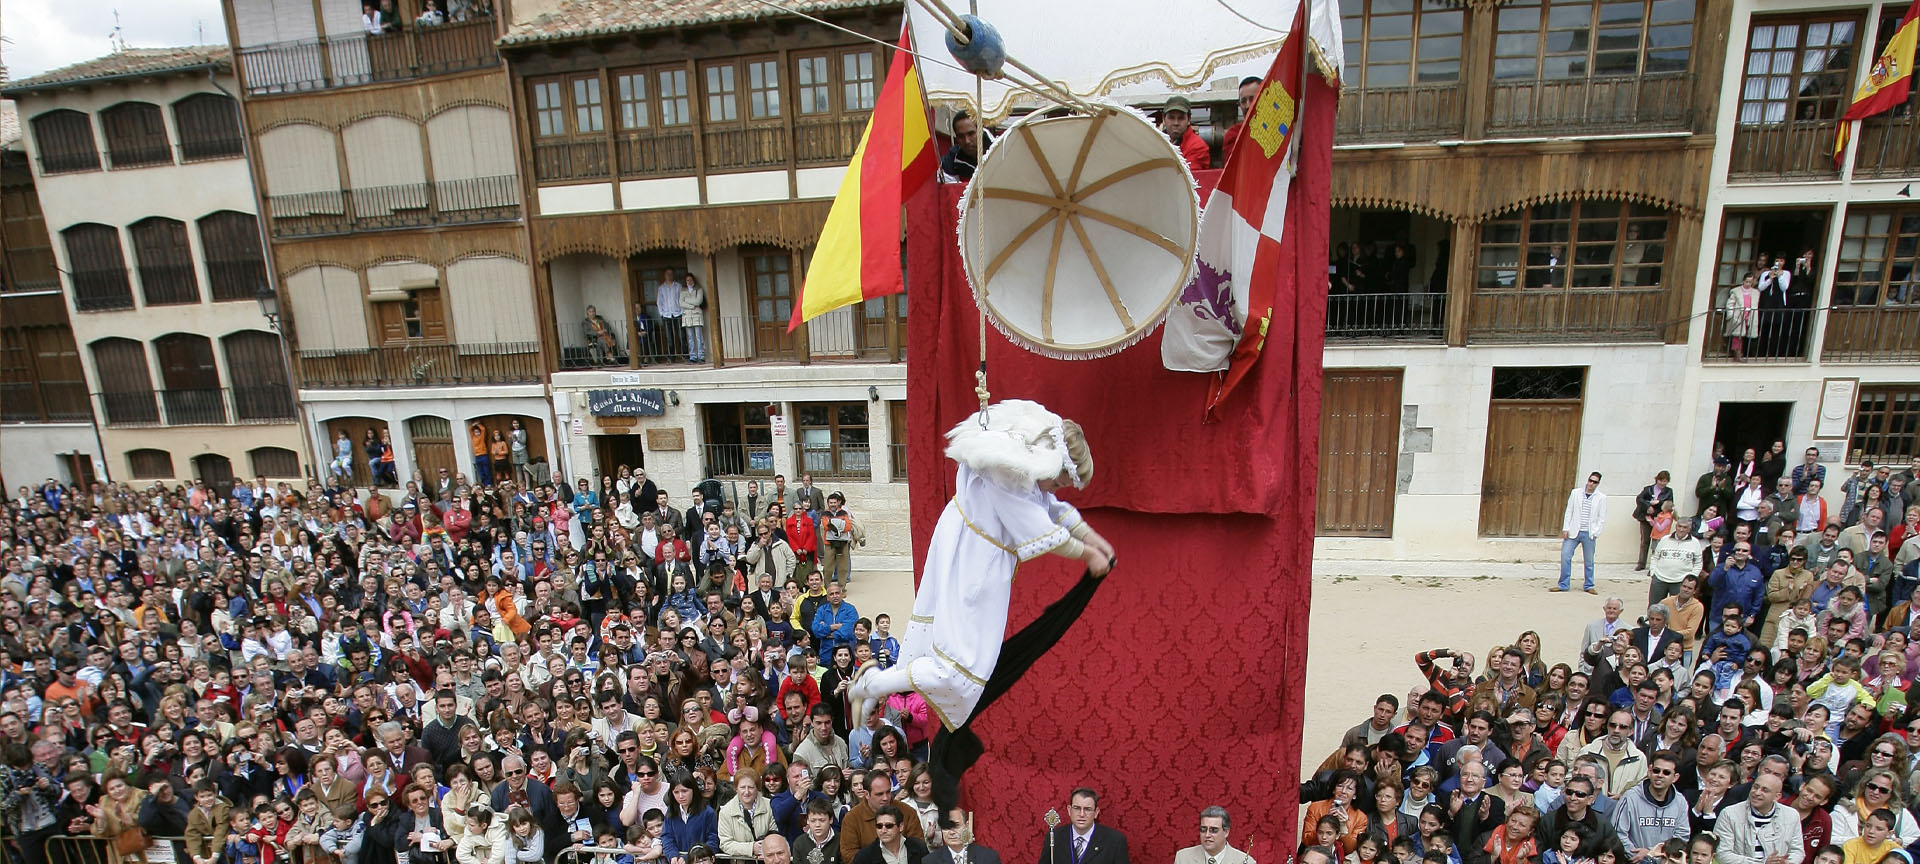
{"points": [[1888, 82], [858, 257]]}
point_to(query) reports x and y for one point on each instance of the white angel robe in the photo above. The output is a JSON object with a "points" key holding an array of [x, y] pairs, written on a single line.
{"points": [[959, 616]]}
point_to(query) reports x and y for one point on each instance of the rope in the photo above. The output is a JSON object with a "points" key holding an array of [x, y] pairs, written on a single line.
{"points": [[979, 158]]}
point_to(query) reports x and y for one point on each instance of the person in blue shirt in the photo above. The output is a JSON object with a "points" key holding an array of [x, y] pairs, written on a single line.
{"points": [[885, 647], [690, 822], [834, 620], [1739, 581]]}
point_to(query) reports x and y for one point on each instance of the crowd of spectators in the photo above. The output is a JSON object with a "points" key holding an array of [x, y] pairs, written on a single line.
{"points": [[1763, 707]]}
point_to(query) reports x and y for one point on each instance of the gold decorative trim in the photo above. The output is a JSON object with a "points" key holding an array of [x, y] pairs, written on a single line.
{"points": [[924, 619], [957, 666], [928, 698], [1010, 550], [1647, 198]]}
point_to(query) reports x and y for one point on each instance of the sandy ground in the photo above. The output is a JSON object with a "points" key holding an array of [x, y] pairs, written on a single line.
{"points": [[1371, 617]]}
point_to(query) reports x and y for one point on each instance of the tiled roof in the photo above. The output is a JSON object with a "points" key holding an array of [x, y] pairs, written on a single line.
{"points": [[133, 62], [577, 19]]}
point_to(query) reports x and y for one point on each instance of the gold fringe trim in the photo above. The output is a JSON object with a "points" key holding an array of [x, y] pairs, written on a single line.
{"points": [[1630, 197]]}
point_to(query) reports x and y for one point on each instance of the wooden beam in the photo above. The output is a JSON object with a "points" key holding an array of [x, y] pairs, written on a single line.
{"points": [[1465, 250]]}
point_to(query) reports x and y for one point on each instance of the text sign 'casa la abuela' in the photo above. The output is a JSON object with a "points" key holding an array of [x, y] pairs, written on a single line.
{"points": [[626, 403]]}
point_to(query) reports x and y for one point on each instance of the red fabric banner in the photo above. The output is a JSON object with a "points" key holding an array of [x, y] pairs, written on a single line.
{"points": [[1182, 685]]}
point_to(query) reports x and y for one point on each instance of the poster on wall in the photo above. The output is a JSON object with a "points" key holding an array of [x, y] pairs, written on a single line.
{"points": [[1836, 409]]}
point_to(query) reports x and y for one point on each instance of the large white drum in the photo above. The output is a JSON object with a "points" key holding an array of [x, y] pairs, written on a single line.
{"points": [[1078, 232]]}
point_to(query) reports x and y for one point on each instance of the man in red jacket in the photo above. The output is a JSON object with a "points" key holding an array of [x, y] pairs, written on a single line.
{"points": [[1249, 91], [1176, 119]]}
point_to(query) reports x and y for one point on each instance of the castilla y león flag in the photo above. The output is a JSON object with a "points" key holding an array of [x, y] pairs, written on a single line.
{"points": [[1888, 83], [858, 257], [1220, 323]]}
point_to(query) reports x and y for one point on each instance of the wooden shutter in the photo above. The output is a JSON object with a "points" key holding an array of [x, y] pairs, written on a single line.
{"points": [[433, 315], [166, 264], [65, 138], [126, 387], [231, 242], [209, 127], [186, 362], [136, 134], [99, 270], [391, 319]]}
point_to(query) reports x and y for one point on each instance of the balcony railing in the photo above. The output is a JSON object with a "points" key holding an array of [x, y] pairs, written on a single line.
{"points": [[746, 339], [197, 406], [1873, 334], [349, 60], [1779, 336], [726, 147], [102, 289], [737, 460], [421, 365], [235, 280], [141, 154], [1591, 105], [408, 205], [1424, 112], [1387, 317], [578, 352], [897, 460], [44, 402], [1889, 147], [62, 160], [845, 461], [205, 147], [1800, 150], [1567, 314], [169, 284]]}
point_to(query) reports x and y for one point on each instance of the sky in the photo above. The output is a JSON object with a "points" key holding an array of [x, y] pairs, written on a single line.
{"points": [[39, 35]]}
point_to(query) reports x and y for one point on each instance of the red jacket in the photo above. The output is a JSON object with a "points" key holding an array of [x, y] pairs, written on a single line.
{"points": [[800, 536], [802, 683], [1194, 150]]}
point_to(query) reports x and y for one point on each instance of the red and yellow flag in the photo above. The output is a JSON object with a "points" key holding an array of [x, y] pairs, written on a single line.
{"points": [[1888, 83], [858, 257]]}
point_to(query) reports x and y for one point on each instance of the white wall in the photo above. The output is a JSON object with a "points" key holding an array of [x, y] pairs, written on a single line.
{"points": [[31, 452]]}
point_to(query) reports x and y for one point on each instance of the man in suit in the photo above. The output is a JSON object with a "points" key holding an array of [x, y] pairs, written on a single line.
{"points": [[401, 754], [520, 790], [957, 846], [1600, 632], [890, 842], [1653, 637], [1083, 840], [1213, 847]]}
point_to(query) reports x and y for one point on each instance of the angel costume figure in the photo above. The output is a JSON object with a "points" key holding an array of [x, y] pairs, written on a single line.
{"points": [[1003, 512]]}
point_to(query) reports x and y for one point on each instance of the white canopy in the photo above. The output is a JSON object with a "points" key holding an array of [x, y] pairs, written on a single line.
{"points": [[1095, 49]]}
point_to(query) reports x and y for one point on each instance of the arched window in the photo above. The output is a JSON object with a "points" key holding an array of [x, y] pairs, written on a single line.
{"points": [[191, 379], [274, 462], [259, 374], [166, 264], [98, 268], [236, 268], [136, 135], [126, 387], [209, 126], [150, 464], [65, 139]]}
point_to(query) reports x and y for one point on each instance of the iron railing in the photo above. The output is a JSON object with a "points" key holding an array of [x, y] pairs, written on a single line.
{"points": [[87, 849], [670, 150], [1402, 317], [100, 289], [197, 406], [169, 284], [897, 458], [44, 402], [349, 60], [421, 365], [63, 160], [737, 460], [747, 339], [579, 352], [1778, 336], [200, 148], [844, 461], [140, 155]]}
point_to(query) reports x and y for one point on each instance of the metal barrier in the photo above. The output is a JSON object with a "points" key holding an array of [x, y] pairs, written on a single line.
{"points": [[578, 854], [88, 849]]}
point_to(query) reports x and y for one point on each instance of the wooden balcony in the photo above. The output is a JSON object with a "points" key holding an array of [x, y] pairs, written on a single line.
{"points": [[331, 62], [1873, 334], [45, 402], [1797, 150], [1889, 147], [1567, 315], [409, 205], [1424, 113], [678, 150], [1595, 105], [421, 366]]}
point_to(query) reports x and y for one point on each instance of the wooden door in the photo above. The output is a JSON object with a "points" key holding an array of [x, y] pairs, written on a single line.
{"points": [[770, 272], [1359, 452], [79, 468], [216, 471], [1532, 446], [433, 447]]}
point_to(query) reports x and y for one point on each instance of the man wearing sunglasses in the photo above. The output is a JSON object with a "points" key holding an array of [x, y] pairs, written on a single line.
{"points": [[890, 843], [1652, 813], [1576, 808]]}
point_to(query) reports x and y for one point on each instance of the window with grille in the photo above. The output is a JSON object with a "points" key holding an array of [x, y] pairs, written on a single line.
{"points": [[230, 240], [136, 135], [1798, 68], [1886, 424], [166, 264], [1574, 244], [858, 86], [99, 270], [739, 440], [274, 462], [833, 439], [150, 464], [1561, 39], [1394, 43], [1538, 382], [208, 125], [1879, 254], [812, 86], [723, 104], [65, 140]]}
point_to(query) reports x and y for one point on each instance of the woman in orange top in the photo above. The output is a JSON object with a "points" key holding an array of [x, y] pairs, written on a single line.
{"points": [[502, 602], [502, 468], [1352, 820], [1513, 842], [482, 466]]}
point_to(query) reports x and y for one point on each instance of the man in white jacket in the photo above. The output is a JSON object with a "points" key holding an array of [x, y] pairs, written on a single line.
{"points": [[1759, 830], [1580, 524]]}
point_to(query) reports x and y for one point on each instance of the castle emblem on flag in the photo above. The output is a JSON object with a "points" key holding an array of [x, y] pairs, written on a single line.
{"points": [[1272, 118]]}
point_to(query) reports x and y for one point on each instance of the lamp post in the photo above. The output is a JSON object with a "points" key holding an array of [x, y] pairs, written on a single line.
{"points": [[269, 301]]}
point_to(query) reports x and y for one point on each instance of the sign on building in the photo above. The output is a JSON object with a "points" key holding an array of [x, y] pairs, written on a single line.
{"points": [[626, 403]]}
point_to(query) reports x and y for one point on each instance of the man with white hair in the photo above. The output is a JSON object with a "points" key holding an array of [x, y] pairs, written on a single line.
{"points": [[519, 790]]}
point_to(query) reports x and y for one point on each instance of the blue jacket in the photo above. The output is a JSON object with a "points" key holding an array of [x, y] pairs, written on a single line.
{"points": [[790, 813], [832, 629], [702, 828], [1742, 585]]}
